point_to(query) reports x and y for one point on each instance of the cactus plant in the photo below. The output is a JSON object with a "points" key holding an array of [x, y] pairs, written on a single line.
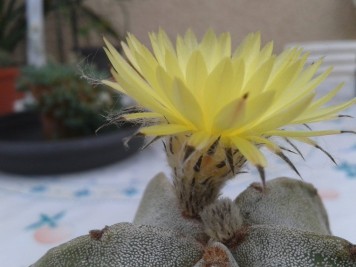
{"points": [[177, 241], [214, 110]]}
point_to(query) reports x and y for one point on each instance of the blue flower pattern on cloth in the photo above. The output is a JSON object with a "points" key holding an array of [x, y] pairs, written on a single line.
{"points": [[39, 188], [82, 193], [46, 220], [348, 168], [130, 191]]}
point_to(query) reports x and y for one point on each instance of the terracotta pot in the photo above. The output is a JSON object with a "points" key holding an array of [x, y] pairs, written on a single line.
{"points": [[8, 93]]}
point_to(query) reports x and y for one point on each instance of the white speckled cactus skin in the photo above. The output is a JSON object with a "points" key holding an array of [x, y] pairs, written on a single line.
{"points": [[125, 244], [268, 246], [286, 202], [281, 225], [160, 207]]}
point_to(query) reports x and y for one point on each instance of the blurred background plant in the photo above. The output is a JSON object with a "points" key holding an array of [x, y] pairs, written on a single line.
{"points": [[83, 22], [12, 32], [13, 23], [69, 105], [6, 60], [12, 29]]}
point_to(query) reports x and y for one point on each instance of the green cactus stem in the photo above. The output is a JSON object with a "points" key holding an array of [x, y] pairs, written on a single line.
{"points": [[159, 207], [125, 245], [276, 246], [286, 202]]}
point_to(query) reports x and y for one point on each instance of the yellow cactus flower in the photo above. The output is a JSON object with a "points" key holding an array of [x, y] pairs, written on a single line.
{"points": [[203, 93]]}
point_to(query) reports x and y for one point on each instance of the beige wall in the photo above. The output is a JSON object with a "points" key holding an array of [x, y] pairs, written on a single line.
{"points": [[281, 20]]}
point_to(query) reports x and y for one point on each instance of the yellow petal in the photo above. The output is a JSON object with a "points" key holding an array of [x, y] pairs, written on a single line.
{"points": [[285, 77], [160, 44], [158, 52], [301, 92], [258, 81], [196, 73], [163, 129], [200, 139], [301, 133], [230, 115], [135, 92], [147, 70], [183, 52], [224, 45], [250, 151], [283, 116], [325, 99], [284, 60], [142, 115], [266, 53], [164, 41], [325, 113], [220, 79], [129, 55], [172, 66], [114, 85], [255, 112], [239, 67], [185, 101], [190, 40], [208, 48], [266, 142], [165, 88]]}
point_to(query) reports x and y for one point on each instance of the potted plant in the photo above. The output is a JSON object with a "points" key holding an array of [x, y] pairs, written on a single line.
{"points": [[63, 125], [214, 110], [68, 104], [12, 32]]}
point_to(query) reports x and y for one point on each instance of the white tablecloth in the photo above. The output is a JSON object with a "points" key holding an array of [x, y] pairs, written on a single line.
{"points": [[37, 213]]}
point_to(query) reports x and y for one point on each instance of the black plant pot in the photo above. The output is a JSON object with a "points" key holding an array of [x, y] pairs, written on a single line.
{"points": [[23, 149]]}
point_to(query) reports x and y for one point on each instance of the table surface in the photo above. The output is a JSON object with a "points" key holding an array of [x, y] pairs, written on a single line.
{"points": [[38, 213]]}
